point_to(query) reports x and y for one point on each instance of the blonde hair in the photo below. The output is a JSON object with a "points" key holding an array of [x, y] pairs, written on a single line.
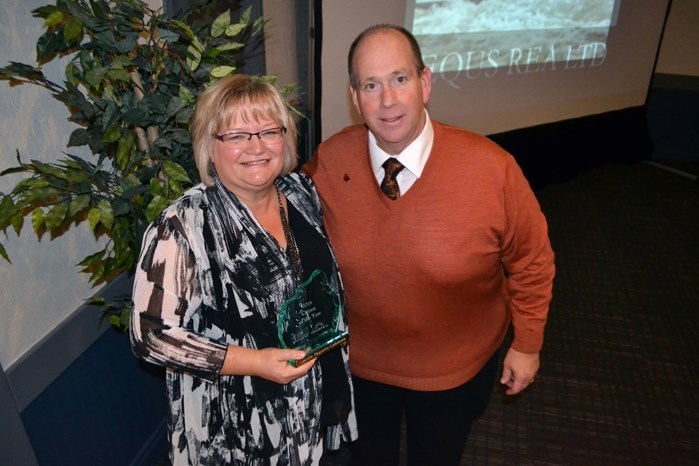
{"points": [[248, 97]]}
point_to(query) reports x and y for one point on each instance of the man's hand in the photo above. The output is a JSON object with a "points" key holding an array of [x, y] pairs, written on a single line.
{"points": [[518, 370]]}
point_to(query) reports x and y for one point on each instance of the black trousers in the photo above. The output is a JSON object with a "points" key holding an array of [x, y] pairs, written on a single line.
{"points": [[437, 423]]}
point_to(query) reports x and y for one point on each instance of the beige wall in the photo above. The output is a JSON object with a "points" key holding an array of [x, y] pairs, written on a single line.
{"points": [[154, 4], [42, 287], [342, 21], [679, 51], [280, 41]]}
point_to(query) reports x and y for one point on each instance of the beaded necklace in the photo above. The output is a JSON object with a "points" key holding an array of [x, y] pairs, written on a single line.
{"points": [[291, 245]]}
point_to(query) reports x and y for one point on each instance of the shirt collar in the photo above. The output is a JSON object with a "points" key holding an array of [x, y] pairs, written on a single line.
{"points": [[414, 157]]}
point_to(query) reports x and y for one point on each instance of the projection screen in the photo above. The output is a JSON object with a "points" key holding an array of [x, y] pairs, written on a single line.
{"points": [[500, 65]]}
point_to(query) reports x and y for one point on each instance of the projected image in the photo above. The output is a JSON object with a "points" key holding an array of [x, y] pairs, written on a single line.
{"points": [[481, 37]]}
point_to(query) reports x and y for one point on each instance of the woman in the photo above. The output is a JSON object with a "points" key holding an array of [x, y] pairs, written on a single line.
{"points": [[214, 271]]}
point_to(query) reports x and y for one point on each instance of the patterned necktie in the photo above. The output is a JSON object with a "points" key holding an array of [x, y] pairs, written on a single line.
{"points": [[389, 185]]}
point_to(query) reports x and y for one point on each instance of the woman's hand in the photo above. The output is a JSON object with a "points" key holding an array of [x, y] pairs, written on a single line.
{"points": [[269, 363], [274, 365]]}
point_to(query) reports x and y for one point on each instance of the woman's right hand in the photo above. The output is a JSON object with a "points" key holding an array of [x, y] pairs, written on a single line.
{"points": [[269, 363], [274, 365]]}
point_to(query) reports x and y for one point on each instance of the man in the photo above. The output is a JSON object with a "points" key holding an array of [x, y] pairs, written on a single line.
{"points": [[436, 260]]}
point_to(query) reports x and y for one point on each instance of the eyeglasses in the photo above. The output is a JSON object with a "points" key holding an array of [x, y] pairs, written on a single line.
{"points": [[241, 139]]}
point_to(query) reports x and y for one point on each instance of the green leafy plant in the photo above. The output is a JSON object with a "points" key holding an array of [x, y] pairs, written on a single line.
{"points": [[132, 78]]}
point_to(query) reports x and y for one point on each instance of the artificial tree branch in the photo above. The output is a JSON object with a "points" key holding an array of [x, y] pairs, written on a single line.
{"points": [[138, 90]]}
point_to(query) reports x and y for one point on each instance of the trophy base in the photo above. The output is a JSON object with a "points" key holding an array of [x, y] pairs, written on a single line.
{"points": [[318, 350]]}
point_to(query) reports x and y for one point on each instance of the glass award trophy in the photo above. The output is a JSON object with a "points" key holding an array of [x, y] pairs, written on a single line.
{"points": [[310, 319]]}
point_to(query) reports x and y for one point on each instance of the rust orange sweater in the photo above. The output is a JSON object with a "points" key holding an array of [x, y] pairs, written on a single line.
{"points": [[433, 279]]}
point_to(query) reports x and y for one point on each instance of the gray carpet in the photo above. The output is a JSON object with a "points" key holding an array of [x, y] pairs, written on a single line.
{"points": [[617, 384]]}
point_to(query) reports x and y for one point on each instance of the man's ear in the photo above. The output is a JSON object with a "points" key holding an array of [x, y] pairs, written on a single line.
{"points": [[426, 80], [355, 98]]}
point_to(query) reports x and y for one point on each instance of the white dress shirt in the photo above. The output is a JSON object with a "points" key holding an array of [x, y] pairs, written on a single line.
{"points": [[414, 157]]}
